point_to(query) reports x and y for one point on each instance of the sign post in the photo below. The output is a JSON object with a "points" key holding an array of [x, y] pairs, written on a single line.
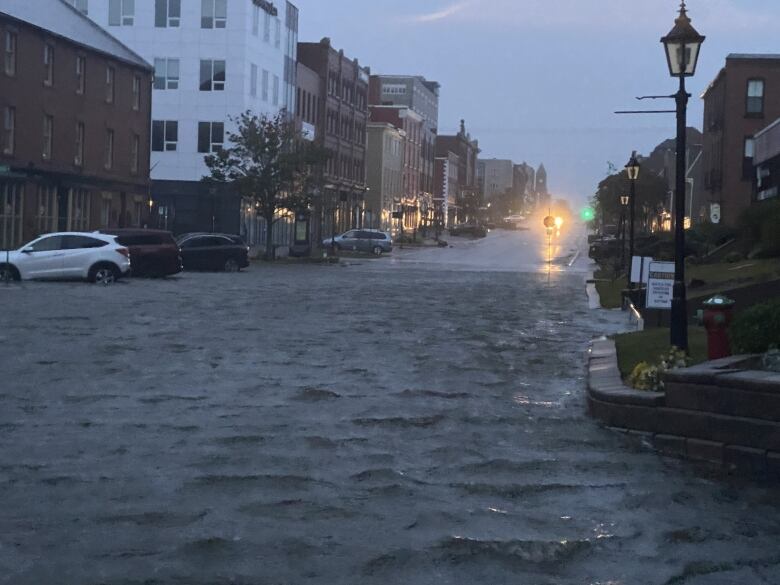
{"points": [[660, 285]]}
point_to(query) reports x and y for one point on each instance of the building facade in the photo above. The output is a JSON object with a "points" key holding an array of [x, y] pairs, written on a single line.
{"points": [[741, 101], [467, 152], [496, 177], [445, 190], [421, 96], [343, 110], [74, 119], [767, 161], [213, 60], [384, 174], [415, 205]]}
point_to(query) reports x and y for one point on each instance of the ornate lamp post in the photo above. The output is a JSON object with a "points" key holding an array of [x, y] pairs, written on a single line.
{"points": [[682, 45], [624, 201], [632, 169]]}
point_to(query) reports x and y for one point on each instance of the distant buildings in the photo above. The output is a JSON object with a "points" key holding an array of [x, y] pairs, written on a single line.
{"points": [[384, 170], [343, 111], [740, 102], [466, 151], [75, 109], [497, 177]]}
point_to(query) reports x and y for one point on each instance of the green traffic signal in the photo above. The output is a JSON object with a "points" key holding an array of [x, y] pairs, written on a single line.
{"points": [[588, 214]]}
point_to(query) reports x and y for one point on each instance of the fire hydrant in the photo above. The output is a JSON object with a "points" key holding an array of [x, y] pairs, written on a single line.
{"points": [[718, 314]]}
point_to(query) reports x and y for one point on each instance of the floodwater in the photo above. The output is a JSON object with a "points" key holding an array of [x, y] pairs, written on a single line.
{"points": [[414, 420]]}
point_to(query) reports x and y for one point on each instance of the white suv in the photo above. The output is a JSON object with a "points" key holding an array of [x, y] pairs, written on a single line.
{"points": [[72, 255]]}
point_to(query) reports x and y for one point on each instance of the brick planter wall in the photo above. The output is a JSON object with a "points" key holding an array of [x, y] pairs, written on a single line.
{"points": [[715, 412]]}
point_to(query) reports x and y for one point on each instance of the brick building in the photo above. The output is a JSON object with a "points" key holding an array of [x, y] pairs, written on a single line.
{"points": [[414, 206], [742, 100], [75, 118], [343, 115], [445, 189], [467, 151]]}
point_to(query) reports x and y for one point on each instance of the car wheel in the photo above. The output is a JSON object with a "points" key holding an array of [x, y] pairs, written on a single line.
{"points": [[231, 265], [378, 250], [9, 273], [104, 274]]}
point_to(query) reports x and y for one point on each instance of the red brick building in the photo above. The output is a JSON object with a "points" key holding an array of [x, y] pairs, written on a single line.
{"points": [[75, 117], [742, 100]]}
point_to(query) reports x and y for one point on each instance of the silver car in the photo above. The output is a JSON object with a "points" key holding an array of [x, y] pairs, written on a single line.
{"points": [[371, 241]]}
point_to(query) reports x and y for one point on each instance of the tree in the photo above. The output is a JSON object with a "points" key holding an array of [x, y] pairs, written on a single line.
{"points": [[651, 194], [270, 164]]}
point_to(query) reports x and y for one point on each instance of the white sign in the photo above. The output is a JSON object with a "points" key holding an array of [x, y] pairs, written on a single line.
{"points": [[715, 212], [639, 268], [660, 285]]}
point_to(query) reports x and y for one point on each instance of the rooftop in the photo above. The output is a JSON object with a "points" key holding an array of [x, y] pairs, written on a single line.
{"points": [[63, 20], [755, 56]]}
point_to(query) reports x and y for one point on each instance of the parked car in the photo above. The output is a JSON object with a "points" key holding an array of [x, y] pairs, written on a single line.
{"points": [[154, 253], [220, 252], [474, 230], [69, 255], [371, 241]]}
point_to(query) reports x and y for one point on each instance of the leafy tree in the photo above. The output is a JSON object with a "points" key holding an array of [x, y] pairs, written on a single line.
{"points": [[268, 163], [651, 195]]}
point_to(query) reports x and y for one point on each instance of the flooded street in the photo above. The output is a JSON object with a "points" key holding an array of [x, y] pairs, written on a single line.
{"points": [[387, 421]]}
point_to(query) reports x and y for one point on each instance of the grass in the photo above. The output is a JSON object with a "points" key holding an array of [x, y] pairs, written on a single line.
{"points": [[610, 289], [723, 276], [649, 345]]}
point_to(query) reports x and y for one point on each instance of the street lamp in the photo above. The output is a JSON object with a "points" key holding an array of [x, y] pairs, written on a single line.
{"points": [[632, 169], [624, 200], [682, 44]]}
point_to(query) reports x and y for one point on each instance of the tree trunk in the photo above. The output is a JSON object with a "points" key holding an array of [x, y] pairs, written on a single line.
{"points": [[270, 253]]}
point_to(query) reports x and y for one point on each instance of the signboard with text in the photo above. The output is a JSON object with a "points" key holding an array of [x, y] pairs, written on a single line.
{"points": [[660, 285], [639, 269]]}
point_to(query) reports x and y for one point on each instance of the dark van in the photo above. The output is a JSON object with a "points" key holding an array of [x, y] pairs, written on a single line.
{"points": [[153, 253]]}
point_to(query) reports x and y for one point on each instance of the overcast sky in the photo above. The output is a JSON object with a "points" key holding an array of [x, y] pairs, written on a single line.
{"points": [[538, 80]]}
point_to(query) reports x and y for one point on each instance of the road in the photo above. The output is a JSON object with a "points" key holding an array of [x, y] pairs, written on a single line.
{"points": [[418, 419]]}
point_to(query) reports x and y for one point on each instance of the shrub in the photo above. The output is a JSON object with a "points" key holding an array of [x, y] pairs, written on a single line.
{"points": [[757, 329], [759, 225], [650, 377]]}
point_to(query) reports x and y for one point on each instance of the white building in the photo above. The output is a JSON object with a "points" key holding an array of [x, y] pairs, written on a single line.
{"points": [[213, 59], [496, 176]]}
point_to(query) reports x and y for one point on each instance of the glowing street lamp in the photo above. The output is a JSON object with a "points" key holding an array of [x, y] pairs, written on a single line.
{"points": [[682, 46], [632, 170]]}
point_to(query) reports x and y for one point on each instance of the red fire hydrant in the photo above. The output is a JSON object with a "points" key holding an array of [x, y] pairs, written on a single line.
{"points": [[718, 314]]}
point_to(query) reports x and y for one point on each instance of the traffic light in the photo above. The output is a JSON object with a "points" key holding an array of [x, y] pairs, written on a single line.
{"points": [[588, 214]]}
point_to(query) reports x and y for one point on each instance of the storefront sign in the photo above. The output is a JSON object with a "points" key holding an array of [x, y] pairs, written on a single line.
{"points": [[660, 285]]}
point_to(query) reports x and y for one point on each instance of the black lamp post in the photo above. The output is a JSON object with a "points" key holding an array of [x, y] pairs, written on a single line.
{"points": [[624, 201], [682, 45], [632, 169]]}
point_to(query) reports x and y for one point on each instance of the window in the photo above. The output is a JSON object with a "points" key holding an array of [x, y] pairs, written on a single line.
{"points": [[81, 74], [109, 152], [212, 75], [136, 92], [276, 90], [78, 158], [265, 85], [47, 209], [48, 137], [78, 210], [10, 53], [278, 40], [11, 203], [213, 14], [267, 28], [256, 20], [121, 12], [49, 244], [80, 5], [166, 74], [135, 153], [48, 64], [9, 130], [110, 77], [748, 170], [165, 135], [167, 13], [253, 81], [211, 136], [755, 97], [82, 242]]}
